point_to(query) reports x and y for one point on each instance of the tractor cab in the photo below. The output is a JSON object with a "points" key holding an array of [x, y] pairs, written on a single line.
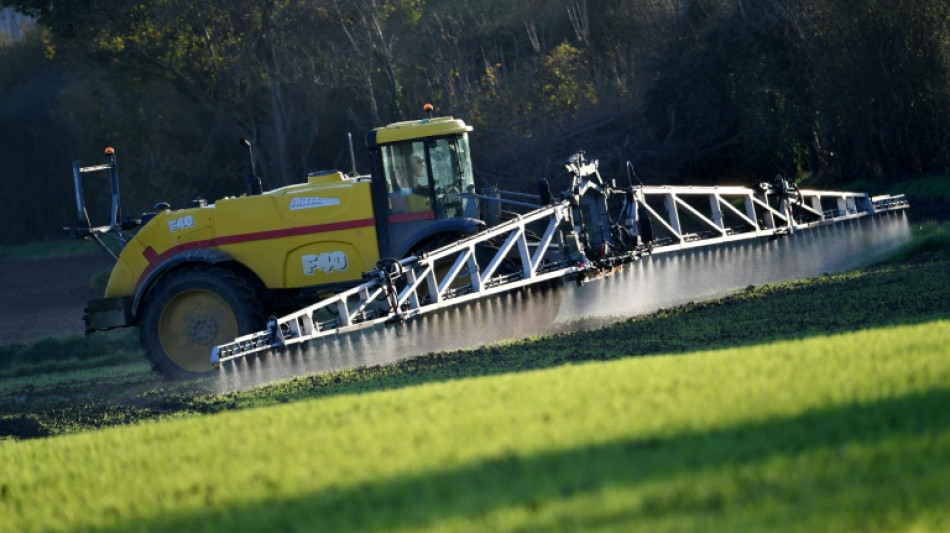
{"points": [[423, 189]]}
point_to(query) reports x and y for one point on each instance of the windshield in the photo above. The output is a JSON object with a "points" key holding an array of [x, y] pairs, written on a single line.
{"points": [[451, 164]]}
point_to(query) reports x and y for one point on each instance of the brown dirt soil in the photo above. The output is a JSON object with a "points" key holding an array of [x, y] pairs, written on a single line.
{"points": [[46, 297]]}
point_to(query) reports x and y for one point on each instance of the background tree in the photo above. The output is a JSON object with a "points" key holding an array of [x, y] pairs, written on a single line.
{"points": [[719, 90]]}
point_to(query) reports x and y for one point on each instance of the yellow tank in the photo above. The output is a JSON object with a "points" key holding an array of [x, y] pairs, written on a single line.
{"points": [[317, 233]]}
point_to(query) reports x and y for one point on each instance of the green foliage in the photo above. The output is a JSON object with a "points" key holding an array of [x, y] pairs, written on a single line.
{"points": [[806, 87], [876, 79], [563, 87], [705, 90]]}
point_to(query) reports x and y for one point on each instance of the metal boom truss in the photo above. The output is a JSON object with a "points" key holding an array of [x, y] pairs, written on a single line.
{"points": [[591, 231]]}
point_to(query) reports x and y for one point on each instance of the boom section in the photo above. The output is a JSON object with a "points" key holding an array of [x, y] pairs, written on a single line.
{"points": [[588, 232]]}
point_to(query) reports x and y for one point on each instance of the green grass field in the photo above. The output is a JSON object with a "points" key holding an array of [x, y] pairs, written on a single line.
{"points": [[816, 405], [831, 433]]}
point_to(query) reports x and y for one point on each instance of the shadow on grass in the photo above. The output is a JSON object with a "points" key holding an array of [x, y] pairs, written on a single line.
{"points": [[877, 297], [820, 487]]}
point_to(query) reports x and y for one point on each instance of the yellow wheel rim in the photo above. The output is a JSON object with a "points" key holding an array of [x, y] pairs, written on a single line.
{"points": [[191, 324]]}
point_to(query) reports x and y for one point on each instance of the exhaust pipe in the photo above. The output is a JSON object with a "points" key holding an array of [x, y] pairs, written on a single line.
{"points": [[252, 183]]}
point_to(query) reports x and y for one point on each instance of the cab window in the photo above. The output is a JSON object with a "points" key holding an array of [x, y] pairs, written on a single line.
{"points": [[429, 175], [407, 177], [452, 174]]}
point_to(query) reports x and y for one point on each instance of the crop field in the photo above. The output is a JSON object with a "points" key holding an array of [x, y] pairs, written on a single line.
{"points": [[815, 405]]}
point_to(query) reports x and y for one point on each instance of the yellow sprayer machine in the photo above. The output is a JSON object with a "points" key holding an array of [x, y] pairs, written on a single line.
{"points": [[215, 282]]}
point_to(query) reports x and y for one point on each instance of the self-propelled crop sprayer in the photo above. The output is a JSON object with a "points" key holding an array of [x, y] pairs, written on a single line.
{"points": [[341, 252]]}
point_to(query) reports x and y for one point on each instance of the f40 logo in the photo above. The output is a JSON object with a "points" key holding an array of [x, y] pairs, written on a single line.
{"points": [[182, 223], [327, 262]]}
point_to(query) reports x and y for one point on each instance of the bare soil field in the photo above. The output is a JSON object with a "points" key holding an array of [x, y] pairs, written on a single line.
{"points": [[45, 297]]}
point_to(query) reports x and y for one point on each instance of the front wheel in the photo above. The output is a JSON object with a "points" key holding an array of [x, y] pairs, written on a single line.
{"points": [[190, 312]]}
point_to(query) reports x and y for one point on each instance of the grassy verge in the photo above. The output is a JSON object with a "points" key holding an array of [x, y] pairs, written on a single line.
{"points": [[931, 242], [66, 354], [840, 432], [935, 186], [929, 197]]}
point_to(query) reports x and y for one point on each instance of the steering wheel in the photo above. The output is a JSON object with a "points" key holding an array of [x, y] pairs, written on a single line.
{"points": [[451, 197]]}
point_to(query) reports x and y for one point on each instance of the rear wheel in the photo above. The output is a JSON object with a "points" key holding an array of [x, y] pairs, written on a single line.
{"points": [[190, 312]]}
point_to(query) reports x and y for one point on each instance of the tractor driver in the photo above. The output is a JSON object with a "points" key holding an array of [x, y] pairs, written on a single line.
{"points": [[418, 175]]}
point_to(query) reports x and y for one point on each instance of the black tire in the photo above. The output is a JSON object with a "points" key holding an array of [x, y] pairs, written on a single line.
{"points": [[191, 311]]}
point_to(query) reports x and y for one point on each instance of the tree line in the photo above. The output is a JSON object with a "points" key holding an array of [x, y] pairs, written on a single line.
{"points": [[689, 91]]}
